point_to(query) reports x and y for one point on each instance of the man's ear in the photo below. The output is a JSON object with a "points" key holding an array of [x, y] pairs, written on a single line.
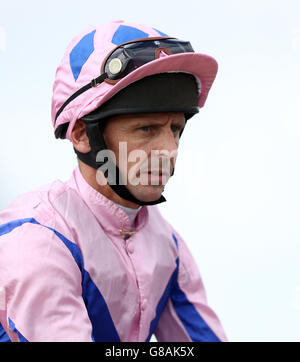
{"points": [[79, 137]]}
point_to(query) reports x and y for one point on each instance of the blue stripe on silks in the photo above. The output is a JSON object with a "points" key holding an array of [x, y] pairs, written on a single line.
{"points": [[103, 326], [162, 303], [14, 329], [102, 323], [3, 335], [175, 241], [160, 32], [192, 321], [8, 227], [126, 33], [81, 52], [164, 299]]}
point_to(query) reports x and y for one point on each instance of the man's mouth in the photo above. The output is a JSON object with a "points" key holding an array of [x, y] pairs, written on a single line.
{"points": [[156, 177], [158, 172]]}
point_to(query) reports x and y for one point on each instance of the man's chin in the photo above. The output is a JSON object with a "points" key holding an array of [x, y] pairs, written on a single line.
{"points": [[147, 193]]}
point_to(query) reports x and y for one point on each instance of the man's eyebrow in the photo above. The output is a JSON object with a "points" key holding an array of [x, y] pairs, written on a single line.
{"points": [[146, 120], [136, 122]]}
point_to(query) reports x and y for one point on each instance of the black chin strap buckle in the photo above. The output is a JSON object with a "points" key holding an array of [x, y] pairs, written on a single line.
{"points": [[96, 81], [93, 83]]}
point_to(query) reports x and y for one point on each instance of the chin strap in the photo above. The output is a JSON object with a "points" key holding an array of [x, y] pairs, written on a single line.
{"points": [[97, 143]]}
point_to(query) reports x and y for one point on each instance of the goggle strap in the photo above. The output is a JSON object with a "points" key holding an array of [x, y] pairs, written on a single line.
{"points": [[94, 83]]}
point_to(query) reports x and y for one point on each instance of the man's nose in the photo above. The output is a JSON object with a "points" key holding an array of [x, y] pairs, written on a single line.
{"points": [[167, 147], [170, 142]]}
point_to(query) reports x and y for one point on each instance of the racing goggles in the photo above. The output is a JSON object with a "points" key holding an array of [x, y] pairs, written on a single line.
{"points": [[129, 56]]}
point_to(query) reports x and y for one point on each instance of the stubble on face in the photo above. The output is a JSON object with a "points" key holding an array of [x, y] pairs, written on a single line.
{"points": [[151, 150]]}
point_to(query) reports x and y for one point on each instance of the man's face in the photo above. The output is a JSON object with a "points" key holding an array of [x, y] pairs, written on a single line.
{"points": [[145, 147]]}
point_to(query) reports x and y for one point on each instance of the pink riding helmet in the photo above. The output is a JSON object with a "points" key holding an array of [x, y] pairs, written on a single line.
{"points": [[83, 61]]}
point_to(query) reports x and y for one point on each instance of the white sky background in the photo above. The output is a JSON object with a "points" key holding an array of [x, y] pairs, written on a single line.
{"points": [[235, 194]]}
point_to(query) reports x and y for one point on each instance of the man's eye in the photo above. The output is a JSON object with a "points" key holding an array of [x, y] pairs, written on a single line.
{"points": [[174, 129], [145, 128]]}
